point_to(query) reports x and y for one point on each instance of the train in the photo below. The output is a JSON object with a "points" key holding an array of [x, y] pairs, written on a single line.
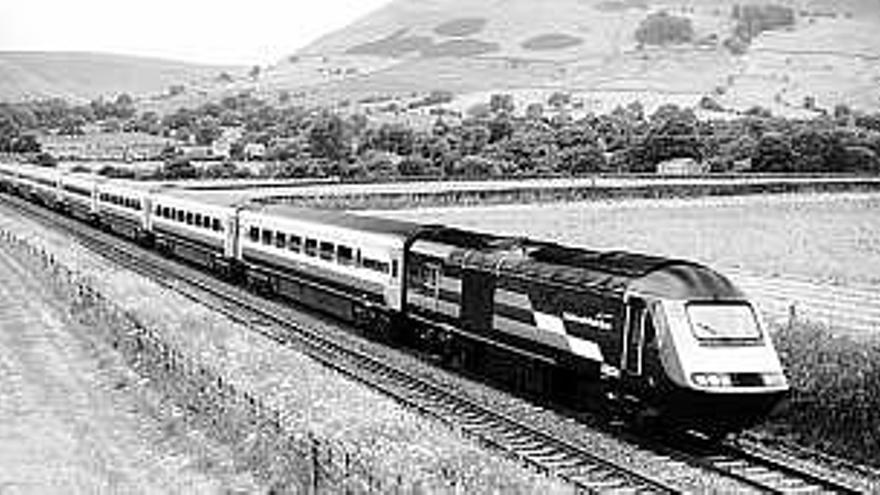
{"points": [[667, 341]]}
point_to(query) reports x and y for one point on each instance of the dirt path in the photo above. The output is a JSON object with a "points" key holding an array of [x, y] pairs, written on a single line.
{"points": [[73, 419]]}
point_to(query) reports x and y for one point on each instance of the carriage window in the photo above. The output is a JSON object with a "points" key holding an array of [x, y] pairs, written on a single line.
{"points": [[375, 265], [189, 218], [159, 210], [267, 237], [327, 251], [198, 219], [295, 243], [394, 268], [180, 215], [344, 255], [216, 225], [311, 247], [254, 234], [280, 240]]}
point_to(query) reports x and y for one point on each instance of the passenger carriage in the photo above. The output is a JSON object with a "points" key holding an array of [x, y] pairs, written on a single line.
{"points": [[41, 183], [200, 231], [123, 207], [9, 176], [346, 265], [79, 195]]}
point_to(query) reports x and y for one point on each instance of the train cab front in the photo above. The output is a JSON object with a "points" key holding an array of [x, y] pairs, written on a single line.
{"points": [[722, 365], [714, 365]]}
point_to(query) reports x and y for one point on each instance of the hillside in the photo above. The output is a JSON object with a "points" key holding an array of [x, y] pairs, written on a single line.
{"points": [[532, 48], [84, 76]]}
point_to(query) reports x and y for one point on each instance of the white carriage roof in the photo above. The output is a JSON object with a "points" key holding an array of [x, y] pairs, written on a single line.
{"points": [[362, 223]]}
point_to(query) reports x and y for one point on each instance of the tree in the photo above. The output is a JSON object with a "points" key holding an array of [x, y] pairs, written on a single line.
{"points": [[500, 128], [72, 125], [9, 131], [559, 99], [328, 138], [816, 150], [773, 154], [254, 73], [535, 111], [475, 167], [672, 134], [582, 159], [27, 143], [754, 19], [501, 103], [395, 138], [417, 166], [471, 138]]}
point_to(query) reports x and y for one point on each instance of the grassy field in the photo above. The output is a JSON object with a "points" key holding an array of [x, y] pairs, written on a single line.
{"points": [[822, 237]]}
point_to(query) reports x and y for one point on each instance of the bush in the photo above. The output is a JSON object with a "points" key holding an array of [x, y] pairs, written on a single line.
{"points": [[752, 20], [662, 29], [711, 104], [46, 160], [178, 169]]}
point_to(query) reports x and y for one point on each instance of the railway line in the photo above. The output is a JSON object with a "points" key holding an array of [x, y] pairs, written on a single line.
{"points": [[514, 432]]}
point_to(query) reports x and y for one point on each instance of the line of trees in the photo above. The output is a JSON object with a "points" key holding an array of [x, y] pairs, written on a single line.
{"points": [[494, 141]]}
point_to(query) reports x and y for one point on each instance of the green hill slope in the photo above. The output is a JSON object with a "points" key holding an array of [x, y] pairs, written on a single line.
{"points": [[534, 47], [84, 76]]}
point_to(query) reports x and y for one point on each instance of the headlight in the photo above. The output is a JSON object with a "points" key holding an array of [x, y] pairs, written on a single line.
{"points": [[714, 380], [774, 380]]}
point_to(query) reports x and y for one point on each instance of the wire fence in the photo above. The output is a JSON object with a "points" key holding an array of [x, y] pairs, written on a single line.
{"points": [[273, 444]]}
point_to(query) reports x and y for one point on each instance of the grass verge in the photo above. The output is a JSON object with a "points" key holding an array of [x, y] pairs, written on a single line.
{"points": [[835, 401]]}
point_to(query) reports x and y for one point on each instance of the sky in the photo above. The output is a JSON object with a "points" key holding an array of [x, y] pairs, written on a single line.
{"points": [[227, 32]]}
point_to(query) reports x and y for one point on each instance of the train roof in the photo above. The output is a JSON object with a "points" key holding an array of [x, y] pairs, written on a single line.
{"points": [[617, 272], [375, 225], [222, 200]]}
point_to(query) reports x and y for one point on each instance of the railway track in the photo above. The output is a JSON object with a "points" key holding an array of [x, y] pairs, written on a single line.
{"points": [[511, 433], [768, 472]]}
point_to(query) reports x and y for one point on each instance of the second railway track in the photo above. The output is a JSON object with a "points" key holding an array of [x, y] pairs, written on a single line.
{"points": [[547, 451]]}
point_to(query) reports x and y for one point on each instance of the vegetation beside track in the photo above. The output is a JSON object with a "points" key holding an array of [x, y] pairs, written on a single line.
{"points": [[835, 402]]}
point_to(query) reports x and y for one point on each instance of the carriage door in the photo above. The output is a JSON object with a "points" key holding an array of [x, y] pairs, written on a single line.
{"points": [[633, 338], [478, 293]]}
